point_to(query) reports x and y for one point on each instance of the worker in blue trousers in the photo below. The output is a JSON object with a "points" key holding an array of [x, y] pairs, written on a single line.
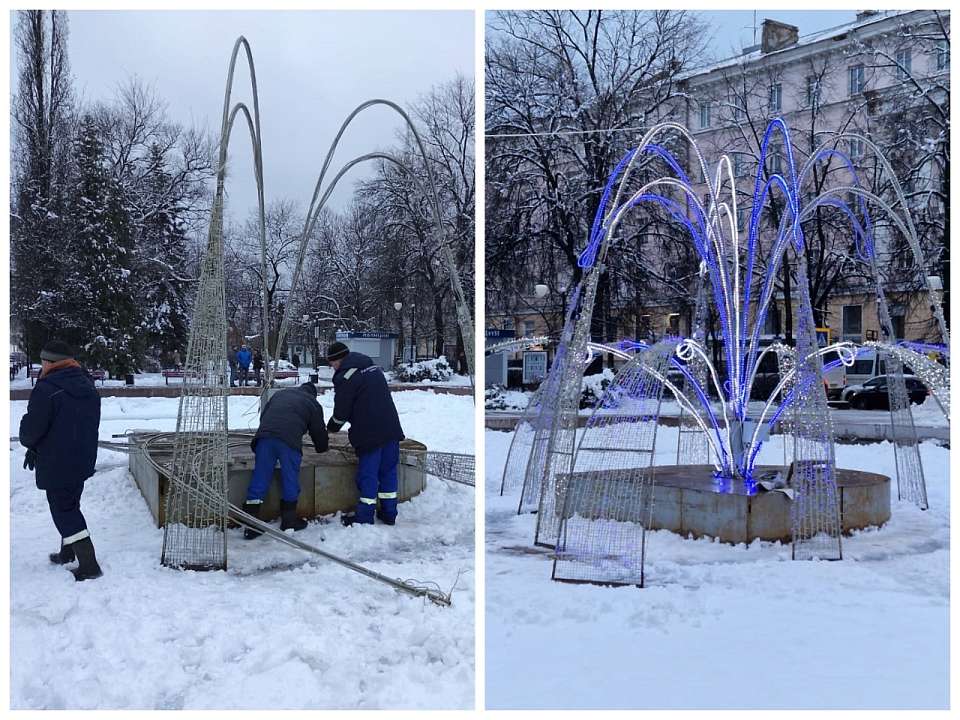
{"points": [[362, 398], [288, 415]]}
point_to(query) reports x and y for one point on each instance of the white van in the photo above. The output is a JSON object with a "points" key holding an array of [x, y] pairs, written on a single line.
{"points": [[868, 364], [835, 378]]}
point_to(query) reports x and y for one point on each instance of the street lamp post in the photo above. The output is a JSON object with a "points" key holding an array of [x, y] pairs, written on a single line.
{"points": [[398, 306]]}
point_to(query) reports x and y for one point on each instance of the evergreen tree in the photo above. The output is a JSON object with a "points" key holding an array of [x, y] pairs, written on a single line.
{"points": [[99, 281], [41, 114], [161, 265]]}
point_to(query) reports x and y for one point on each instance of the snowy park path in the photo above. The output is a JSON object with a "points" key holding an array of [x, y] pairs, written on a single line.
{"points": [[279, 630], [720, 626]]}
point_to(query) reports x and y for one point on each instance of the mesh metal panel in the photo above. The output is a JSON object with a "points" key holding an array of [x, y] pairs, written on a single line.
{"points": [[545, 428], [520, 445], [455, 467], [607, 501], [558, 449], [815, 512], [911, 484], [196, 506]]}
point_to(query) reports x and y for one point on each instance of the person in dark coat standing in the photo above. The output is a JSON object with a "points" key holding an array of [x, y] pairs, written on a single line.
{"points": [[60, 431], [232, 362], [288, 415], [362, 398], [257, 365]]}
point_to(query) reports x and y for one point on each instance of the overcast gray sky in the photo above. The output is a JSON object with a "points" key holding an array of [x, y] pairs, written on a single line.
{"points": [[313, 68]]}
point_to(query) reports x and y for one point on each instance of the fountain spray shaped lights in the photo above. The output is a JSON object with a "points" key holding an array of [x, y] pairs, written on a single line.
{"points": [[735, 437]]}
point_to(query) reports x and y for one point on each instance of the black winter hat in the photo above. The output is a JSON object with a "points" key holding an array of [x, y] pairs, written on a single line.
{"points": [[337, 351], [309, 388], [55, 351]]}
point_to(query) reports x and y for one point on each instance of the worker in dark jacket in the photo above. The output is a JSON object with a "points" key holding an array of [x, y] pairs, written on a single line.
{"points": [[362, 398], [287, 416], [60, 431]]}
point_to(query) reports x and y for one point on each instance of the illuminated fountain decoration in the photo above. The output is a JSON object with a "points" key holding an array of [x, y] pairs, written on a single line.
{"points": [[738, 286]]}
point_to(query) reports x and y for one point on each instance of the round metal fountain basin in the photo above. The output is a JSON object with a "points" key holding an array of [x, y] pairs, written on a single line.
{"points": [[686, 501], [327, 480]]}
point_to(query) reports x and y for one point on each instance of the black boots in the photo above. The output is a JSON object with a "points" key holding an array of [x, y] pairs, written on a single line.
{"points": [[251, 509], [88, 568], [66, 555], [288, 516]]}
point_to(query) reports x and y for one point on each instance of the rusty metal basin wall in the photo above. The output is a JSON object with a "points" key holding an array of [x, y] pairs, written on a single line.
{"points": [[685, 502], [327, 480]]}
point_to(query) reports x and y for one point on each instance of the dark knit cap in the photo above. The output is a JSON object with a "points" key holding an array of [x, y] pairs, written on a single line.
{"points": [[337, 351], [309, 388], [55, 351]]}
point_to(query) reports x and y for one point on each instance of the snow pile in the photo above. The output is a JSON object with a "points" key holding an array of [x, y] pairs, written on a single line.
{"points": [[593, 387], [437, 370], [280, 629], [722, 626], [929, 413], [499, 398]]}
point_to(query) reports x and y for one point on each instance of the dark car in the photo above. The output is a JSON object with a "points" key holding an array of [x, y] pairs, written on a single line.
{"points": [[872, 395]]}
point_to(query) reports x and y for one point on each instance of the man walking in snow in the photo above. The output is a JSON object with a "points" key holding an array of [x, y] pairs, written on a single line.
{"points": [[244, 358], [60, 431], [362, 398], [288, 415]]}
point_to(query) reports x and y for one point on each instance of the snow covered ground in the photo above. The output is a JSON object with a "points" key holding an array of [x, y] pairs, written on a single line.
{"points": [[720, 626], [278, 630]]}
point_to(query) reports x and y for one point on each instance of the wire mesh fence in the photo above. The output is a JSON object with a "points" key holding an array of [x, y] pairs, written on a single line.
{"points": [[455, 467]]}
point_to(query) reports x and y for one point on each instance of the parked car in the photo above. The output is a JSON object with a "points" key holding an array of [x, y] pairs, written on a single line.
{"points": [[868, 364], [873, 394]]}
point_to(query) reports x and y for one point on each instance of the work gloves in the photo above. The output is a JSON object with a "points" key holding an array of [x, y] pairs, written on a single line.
{"points": [[30, 461]]}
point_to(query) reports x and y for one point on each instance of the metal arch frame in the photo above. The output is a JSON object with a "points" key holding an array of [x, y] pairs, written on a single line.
{"points": [[313, 214]]}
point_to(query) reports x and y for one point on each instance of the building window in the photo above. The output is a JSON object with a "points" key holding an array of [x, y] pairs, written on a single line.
{"points": [[704, 115], [673, 323], [776, 97], [528, 328], [853, 323], [739, 112], [813, 91], [739, 164], [743, 219], [904, 64], [943, 55], [775, 157], [771, 321], [857, 80], [898, 316], [857, 149], [644, 328]]}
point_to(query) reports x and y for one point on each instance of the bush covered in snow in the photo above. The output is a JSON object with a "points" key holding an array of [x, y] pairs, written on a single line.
{"points": [[437, 370], [498, 397], [593, 387]]}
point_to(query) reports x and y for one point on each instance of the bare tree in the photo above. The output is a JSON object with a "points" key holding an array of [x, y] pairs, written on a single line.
{"points": [[567, 94]]}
